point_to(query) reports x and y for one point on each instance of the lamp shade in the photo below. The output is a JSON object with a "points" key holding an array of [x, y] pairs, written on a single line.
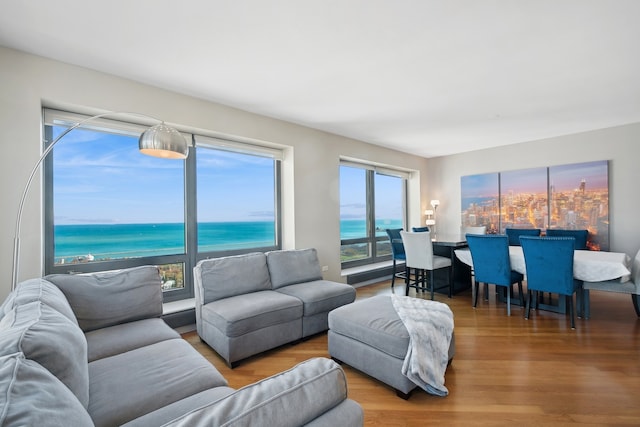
{"points": [[163, 141], [431, 222], [428, 212], [435, 203]]}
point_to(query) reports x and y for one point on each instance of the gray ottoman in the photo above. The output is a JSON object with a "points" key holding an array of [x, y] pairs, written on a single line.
{"points": [[369, 336]]}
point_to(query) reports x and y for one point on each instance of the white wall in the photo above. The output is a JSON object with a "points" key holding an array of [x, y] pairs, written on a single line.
{"points": [[311, 203], [620, 145]]}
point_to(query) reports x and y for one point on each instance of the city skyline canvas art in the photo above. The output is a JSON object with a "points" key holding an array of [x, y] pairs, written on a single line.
{"points": [[573, 196]]}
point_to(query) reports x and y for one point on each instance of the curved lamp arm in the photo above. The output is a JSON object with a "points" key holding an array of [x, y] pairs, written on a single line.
{"points": [[158, 141]]}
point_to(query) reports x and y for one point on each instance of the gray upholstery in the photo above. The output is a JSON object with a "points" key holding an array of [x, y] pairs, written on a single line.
{"points": [[128, 336], [31, 396], [168, 413], [369, 336], [49, 338], [239, 314], [234, 275], [631, 287], [141, 371], [324, 387], [105, 299], [39, 290], [319, 297], [373, 321], [293, 266], [126, 375]]}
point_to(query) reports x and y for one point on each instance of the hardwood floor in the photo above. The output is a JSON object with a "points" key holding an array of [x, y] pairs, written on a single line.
{"points": [[507, 370]]}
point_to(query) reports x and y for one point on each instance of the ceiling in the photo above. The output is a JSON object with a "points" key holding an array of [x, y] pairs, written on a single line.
{"points": [[428, 77]]}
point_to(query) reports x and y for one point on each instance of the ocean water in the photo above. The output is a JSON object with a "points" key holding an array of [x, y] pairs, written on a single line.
{"points": [[109, 241]]}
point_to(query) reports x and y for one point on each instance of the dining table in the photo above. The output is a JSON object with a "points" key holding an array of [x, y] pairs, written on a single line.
{"points": [[589, 266]]}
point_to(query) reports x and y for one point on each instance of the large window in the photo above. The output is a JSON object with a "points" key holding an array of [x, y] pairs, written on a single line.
{"points": [[371, 200], [107, 206]]}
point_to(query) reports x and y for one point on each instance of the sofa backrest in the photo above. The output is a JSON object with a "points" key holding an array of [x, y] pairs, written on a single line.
{"points": [[293, 266], [109, 298], [226, 277]]}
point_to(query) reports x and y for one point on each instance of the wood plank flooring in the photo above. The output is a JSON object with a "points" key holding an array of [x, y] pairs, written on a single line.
{"points": [[507, 370]]}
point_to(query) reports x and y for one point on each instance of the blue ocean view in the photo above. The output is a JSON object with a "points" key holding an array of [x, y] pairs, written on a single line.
{"points": [[107, 241]]}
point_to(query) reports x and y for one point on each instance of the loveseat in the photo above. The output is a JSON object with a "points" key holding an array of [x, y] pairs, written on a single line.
{"points": [[251, 303], [84, 350]]}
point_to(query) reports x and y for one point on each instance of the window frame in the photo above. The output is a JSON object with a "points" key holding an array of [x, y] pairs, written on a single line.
{"points": [[191, 256], [371, 239]]}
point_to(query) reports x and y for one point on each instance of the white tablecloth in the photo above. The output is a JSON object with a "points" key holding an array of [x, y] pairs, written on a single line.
{"points": [[589, 266]]}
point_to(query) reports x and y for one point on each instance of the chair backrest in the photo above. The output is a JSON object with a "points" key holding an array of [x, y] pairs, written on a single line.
{"points": [[418, 249], [419, 229], [515, 233], [580, 236], [474, 230], [490, 255], [397, 248], [549, 263]]}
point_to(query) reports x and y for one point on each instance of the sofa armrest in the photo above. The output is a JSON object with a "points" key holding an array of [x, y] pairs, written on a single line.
{"points": [[291, 398]]}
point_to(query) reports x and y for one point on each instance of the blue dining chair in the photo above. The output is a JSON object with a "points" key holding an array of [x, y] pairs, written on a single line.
{"points": [[419, 229], [491, 265], [515, 233], [580, 236], [549, 263], [397, 253]]}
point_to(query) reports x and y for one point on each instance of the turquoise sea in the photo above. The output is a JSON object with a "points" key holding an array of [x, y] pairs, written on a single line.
{"points": [[108, 241]]}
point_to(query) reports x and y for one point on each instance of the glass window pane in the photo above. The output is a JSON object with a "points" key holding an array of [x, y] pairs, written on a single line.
{"points": [[111, 202], [353, 203], [354, 252], [389, 208], [172, 276], [236, 200]]}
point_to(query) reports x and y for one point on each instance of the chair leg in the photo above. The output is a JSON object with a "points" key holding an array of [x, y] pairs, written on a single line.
{"points": [[521, 294], [393, 274], [527, 311], [636, 303], [451, 281], [509, 301], [475, 299], [433, 288], [407, 280], [571, 313]]}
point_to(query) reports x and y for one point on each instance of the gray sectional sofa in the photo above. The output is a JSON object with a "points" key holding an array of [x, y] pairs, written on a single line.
{"points": [[251, 303], [85, 350]]}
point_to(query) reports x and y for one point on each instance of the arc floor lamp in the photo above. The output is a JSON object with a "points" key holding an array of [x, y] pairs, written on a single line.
{"points": [[157, 141]]}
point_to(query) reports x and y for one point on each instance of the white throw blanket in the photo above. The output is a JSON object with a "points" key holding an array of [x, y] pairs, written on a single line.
{"points": [[430, 327]]}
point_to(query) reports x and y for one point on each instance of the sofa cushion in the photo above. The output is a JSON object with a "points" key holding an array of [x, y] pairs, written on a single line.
{"points": [[39, 290], [131, 384], [109, 298], [315, 385], [128, 336], [293, 266], [230, 276], [320, 296], [372, 321], [170, 412], [52, 340], [26, 386], [241, 314]]}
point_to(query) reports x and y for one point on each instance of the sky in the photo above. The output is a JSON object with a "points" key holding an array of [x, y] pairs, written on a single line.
{"points": [[102, 178]]}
